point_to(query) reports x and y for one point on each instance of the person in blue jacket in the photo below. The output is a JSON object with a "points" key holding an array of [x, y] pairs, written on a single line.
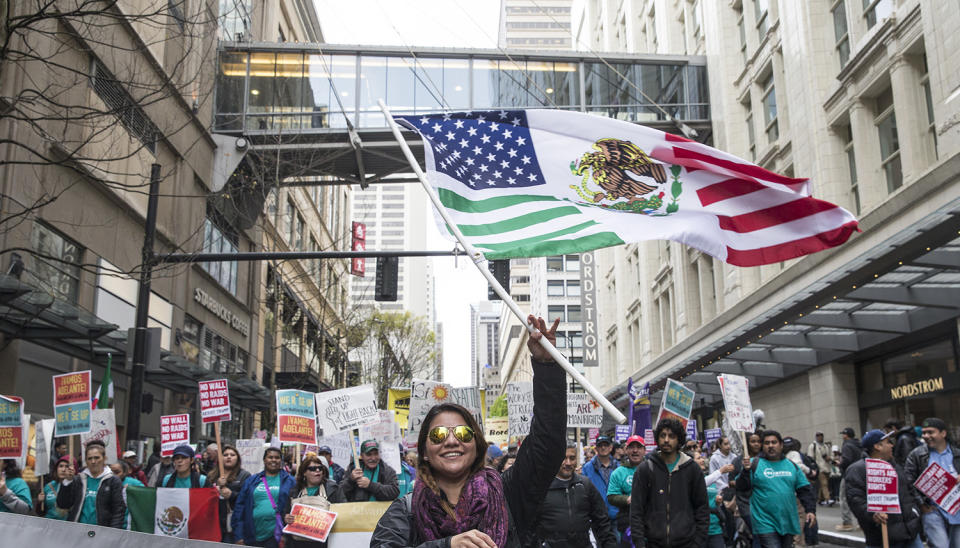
{"points": [[598, 471], [258, 516]]}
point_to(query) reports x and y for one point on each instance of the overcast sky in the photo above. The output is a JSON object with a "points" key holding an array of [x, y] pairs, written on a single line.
{"points": [[441, 23]]}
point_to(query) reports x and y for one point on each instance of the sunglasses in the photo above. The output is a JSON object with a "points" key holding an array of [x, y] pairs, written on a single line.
{"points": [[440, 433], [314, 468]]}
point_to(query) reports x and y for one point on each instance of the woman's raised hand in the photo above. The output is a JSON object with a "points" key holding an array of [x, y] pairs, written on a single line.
{"points": [[538, 352]]}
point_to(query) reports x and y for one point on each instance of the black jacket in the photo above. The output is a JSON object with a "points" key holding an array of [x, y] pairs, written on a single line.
{"points": [[525, 484], [385, 488], [569, 511], [334, 495], [669, 508], [110, 506], [850, 453], [906, 442], [901, 527], [226, 505], [917, 462]]}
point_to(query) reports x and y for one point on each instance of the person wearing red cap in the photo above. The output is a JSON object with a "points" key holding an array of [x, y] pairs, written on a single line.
{"points": [[621, 483]]}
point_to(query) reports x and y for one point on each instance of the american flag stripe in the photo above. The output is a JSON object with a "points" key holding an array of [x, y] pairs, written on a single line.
{"points": [[730, 188], [693, 150], [772, 216], [785, 251], [755, 201], [693, 160], [809, 226]]}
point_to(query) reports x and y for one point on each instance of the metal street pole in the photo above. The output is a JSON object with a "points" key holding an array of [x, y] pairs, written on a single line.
{"points": [[135, 394]]}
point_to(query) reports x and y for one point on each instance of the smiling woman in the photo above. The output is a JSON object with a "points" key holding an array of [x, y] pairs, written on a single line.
{"points": [[456, 501]]}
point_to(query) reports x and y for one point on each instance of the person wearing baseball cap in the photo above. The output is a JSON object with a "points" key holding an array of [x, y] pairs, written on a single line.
{"points": [[136, 472], [183, 473], [336, 471], [374, 480], [903, 529], [941, 528], [599, 469]]}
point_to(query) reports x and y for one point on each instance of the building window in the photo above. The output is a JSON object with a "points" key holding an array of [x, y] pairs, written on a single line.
{"points": [[886, 122], [298, 244], [216, 240], [574, 314], [573, 288], [875, 10], [770, 108], [573, 263], [761, 9], [219, 355], [840, 33], [120, 104], [56, 267], [742, 30], [555, 311], [751, 134], [554, 264], [554, 288], [928, 98], [847, 133]]}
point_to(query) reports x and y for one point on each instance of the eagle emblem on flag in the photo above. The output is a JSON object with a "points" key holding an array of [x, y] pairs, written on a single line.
{"points": [[610, 166]]}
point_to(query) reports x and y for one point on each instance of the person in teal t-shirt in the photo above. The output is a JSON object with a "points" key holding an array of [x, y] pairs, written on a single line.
{"points": [[621, 482], [183, 473], [122, 470], [64, 468], [773, 484], [255, 516], [14, 492]]}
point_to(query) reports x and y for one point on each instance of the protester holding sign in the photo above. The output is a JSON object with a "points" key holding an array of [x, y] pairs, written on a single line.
{"points": [[941, 527], [903, 527], [314, 488], [375, 480], [96, 498], [457, 501], [229, 487], [257, 517]]}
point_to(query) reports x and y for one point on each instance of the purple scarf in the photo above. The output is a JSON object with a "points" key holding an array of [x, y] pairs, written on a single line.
{"points": [[481, 506]]}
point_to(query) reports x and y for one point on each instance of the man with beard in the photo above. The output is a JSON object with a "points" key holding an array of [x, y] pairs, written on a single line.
{"points": [[621, 485], [572, 508], [773, 484], [669, 504]]}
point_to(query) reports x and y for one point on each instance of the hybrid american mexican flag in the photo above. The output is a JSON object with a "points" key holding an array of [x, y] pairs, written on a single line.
{"points": [[529, 183]]}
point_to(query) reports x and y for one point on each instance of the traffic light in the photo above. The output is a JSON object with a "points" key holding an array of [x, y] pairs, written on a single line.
{"points": [[385, 286], [501, 271]]}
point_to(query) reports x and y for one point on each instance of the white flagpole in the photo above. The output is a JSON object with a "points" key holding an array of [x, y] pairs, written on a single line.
{"points": [[480, 261]]}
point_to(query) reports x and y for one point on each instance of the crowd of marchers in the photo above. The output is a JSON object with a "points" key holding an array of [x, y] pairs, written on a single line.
{"points": [[458, 491]]}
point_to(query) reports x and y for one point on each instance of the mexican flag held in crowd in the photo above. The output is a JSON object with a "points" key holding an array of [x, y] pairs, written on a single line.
{"points": [[172, 512]]}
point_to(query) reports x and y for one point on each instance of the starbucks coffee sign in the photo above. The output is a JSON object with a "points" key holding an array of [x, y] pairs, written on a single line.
{"points": [[219, 310]]}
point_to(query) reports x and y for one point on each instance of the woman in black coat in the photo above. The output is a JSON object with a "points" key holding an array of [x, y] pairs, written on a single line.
{"points": [[456, 500], [229, 487], [314, 488]]}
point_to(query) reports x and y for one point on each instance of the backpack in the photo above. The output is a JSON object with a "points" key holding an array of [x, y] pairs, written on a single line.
{"points": [[812, 465]]}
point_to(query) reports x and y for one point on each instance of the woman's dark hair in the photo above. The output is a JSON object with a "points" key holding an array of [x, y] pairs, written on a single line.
{"points": [[232, 473], [767, 433], [674, 426], [503, 461], [125, 466], [424, 472], [11, 469], [272, 449], [302, 471]]}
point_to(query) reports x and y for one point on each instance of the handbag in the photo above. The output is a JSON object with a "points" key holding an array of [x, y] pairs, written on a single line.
{"points": [[278, 528]]}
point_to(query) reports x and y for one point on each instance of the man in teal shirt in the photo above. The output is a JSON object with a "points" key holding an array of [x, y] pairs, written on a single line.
{"points": [[773, 484], [183, 474], [621, 483], [255, 515]]}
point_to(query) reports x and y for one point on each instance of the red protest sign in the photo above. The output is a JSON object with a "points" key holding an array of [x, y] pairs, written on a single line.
{"points": [[174, 432], [882, 493], [312, 523], [71, 388], [11, 427], [940, 485], [214, 401]]}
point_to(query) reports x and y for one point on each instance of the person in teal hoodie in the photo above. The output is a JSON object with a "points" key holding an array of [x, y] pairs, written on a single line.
{"points": [[47, 505], [183, 473], [14, 492]]}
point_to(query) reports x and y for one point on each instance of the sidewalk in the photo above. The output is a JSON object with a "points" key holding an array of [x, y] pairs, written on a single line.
{"points": [[828, 518]]}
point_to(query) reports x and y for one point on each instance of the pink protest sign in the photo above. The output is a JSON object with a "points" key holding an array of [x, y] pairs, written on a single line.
{"points": [[940, 485], [174, 432], [882, 487], [214, 401]]}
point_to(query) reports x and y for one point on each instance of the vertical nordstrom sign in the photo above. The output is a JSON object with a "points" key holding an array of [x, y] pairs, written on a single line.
{"points": [[588, 304]]}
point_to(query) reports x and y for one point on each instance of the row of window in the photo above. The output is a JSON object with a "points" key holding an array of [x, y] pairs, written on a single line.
{"points": [[566, 313], [563, 288], [563, 263]]}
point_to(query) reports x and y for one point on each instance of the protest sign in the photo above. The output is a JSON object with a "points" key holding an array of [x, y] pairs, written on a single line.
{"points": [[103, 427], [583, 411], [174, 432], [214, 401], [677, 402], [296, 417], [519, 407], [692, 430], [71, 403], [346, 409], [355, 523], [398, 401], [24, 442], [11, 427], [387, 433], [311, 523], [648, 440], [43, 436], [711, 435], [593, 434], [941, 487], [736, 402], [497, 429], [882, 493], [621, 433], [425, 394], [251, 454], [340, 447]]}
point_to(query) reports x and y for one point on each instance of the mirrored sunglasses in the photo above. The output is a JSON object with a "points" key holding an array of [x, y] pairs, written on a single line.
{"points": [[440, 433]]}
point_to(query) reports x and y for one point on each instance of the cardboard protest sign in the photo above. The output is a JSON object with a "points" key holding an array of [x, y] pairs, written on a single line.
{"points": [[425, 394], [339, 444], [71, 403], [296, 417], [520, 407], [215, 401], [677, 402], [174, 432], [882, 493], [251, 454], [583, 411], [621, 433], [398, 401], [346, 409], [387, 433], [43, 436], [940, 486], [309, 522], [11, 427], [692, 430], [355, 523], [496, 430], [711, 435], [648, 440], [103, 427], [736, 402]]}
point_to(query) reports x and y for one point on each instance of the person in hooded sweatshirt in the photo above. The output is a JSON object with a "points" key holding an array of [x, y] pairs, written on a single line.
{"points": [[668, 505], [96, 496]]}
